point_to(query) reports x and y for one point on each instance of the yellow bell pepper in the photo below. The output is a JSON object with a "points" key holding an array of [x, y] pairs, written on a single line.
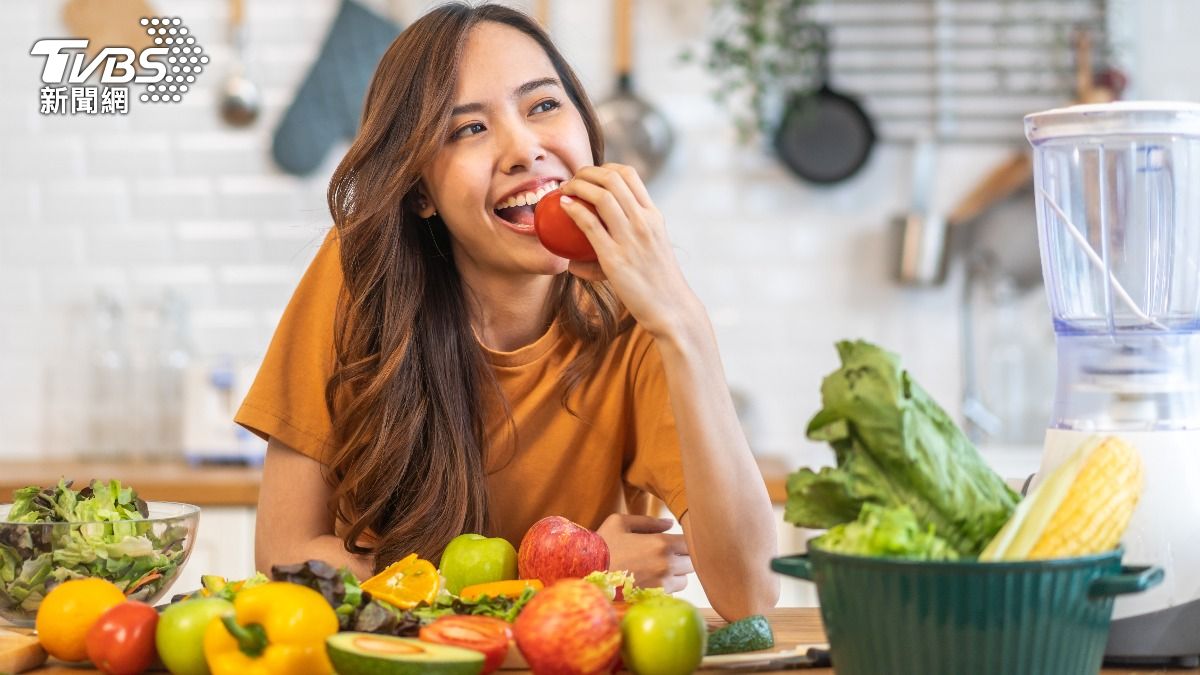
{"points": [[275, 628]]}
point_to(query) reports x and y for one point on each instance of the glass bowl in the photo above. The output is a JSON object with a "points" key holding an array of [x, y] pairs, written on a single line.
{"points": [[142, 557]]}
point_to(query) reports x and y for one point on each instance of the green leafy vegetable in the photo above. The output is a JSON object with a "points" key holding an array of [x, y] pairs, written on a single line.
{"points": [[886, 532], [895, 447], [611, 581], [635, 595], [618, 585], [377, 616], [54, 534], [499, 607]]}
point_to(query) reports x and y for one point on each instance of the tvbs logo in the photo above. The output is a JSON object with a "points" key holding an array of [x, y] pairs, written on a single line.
{"points": [[118, 63], [168, 68]]}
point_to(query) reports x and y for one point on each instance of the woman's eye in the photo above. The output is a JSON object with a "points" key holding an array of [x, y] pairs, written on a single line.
{"points": [[546, 106], [468, 130]]}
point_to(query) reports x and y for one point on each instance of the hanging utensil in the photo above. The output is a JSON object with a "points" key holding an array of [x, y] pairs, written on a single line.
{"points": [[239, 96], [634, 132], [1009, 176], [921, 233], [113, 22], [825, 136]]}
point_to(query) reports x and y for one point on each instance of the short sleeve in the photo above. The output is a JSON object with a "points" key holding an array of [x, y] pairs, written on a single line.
{"points": [[656, 466], [287, 399]]}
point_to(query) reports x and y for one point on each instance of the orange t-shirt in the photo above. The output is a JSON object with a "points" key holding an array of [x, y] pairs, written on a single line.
{"points": [[622, 446]]}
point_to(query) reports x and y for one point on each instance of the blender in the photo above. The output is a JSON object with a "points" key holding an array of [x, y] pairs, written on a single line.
{"points": [[1118, 212]]}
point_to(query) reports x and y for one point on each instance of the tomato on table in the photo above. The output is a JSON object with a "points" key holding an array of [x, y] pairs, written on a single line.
{"points": [[121, 642], [484, 634], [557, 232]]}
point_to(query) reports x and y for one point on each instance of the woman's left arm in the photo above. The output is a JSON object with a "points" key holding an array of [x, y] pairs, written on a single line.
{"points": [[729, 525]]}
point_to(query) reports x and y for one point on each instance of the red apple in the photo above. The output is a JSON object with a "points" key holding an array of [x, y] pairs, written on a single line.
{"points": [[569, 628], [556, 548]]}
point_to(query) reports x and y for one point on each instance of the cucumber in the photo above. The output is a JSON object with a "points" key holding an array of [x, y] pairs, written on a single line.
{"points": [[746, 635]]}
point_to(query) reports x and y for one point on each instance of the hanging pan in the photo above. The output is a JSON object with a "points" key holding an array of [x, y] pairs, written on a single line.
{"points": [[825, 136], [634, 132]]}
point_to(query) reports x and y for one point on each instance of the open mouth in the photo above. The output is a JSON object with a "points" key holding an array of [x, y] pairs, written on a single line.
{"points": [[518, 209]]}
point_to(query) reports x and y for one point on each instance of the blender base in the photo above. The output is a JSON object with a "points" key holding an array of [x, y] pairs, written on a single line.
{"points": [[1168, 637]]}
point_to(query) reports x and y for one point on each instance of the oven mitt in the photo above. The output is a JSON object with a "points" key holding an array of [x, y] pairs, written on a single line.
{"points": [[329, 104]]}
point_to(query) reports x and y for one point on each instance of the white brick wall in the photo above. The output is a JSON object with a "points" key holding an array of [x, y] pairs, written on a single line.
{"points": [[167, 198]]}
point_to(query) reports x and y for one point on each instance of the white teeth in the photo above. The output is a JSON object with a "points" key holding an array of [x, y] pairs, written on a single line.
{"points": [[528, 198]]}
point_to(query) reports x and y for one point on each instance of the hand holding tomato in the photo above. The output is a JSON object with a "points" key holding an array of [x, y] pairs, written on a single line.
{"points": [[557, 232], [121, 642], [633, 252]]}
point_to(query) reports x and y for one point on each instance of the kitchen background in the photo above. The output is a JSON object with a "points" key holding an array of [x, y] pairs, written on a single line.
{"points": [[145, 258]]}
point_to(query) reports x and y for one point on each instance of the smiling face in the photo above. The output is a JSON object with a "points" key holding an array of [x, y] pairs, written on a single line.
{"points": [[514, 134]]}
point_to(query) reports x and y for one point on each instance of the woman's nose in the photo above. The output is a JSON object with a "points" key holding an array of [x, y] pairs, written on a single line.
{"points": [[522, 148]]}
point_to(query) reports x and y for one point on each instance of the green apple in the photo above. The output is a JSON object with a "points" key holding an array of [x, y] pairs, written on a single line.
{"points": [[662, 636], [471, 559]]}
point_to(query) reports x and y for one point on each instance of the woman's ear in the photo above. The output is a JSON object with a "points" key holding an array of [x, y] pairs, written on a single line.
{"points": [[424, 205]]}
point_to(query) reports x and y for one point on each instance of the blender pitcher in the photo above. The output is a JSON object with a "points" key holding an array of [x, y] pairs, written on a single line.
{"points": [[1118, 211]]}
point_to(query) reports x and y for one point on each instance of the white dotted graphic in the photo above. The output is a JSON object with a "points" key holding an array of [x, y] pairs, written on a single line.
{"points": [[181, 51]]}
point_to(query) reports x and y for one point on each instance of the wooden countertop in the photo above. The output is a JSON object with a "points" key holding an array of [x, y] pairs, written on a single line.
{"points": [[793, 626], [164, 481], [218, 485]]}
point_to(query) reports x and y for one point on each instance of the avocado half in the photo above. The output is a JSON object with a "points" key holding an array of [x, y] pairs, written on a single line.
{"points": [[370, 654]]}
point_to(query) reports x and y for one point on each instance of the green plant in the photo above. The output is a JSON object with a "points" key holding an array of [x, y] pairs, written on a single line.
{"points": [[762, 52]]}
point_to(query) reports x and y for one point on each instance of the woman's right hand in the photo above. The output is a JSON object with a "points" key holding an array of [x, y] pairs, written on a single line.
{"points": [[639, 544]]}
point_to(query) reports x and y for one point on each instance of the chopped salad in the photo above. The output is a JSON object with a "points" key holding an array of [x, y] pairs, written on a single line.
{"points": [[54, 534]]}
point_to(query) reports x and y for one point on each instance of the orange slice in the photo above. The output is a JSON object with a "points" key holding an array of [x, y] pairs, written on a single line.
{"points": [[406, 583]]}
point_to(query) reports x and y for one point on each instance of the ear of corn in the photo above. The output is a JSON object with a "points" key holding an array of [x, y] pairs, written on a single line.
{"points": [[1099, 505], [1016, 539], [1082, 507]]}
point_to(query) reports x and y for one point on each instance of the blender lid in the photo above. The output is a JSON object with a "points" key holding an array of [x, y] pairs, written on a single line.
{"points": [[1175, 118]]}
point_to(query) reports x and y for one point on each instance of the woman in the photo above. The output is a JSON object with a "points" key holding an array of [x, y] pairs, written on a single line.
{"points": [[438, 371]]}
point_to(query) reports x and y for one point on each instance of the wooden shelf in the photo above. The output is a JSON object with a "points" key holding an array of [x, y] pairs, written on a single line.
{"points": [[175, 482], [217, 485]]}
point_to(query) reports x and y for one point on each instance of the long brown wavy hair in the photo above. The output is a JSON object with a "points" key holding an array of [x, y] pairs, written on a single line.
{"points": [[410, 382]]}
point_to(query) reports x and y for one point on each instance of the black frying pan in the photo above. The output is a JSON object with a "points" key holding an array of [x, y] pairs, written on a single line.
{"points": [[825, 136]]}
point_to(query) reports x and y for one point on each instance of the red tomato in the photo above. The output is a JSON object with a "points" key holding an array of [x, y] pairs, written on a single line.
{"points": [[481, 633], [557, 232], [121, 642]]}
